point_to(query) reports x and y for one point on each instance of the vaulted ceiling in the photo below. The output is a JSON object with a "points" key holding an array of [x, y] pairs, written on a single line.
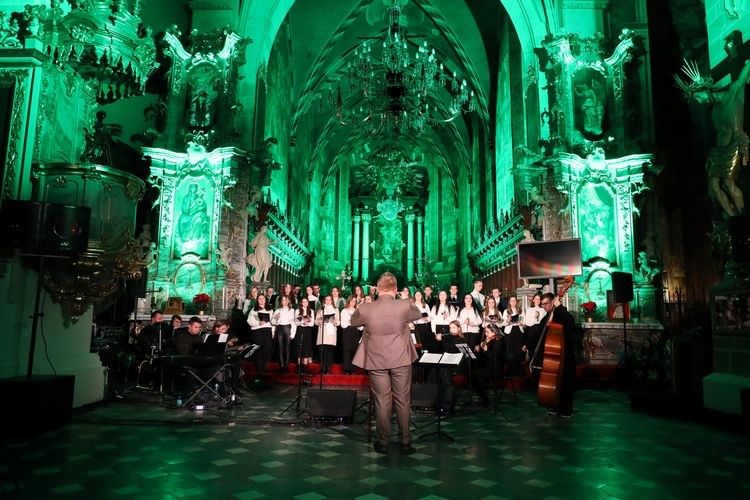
{"points": [[323, 36]]}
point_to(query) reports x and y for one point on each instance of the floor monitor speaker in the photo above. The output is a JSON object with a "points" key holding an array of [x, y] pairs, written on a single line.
{"points": [[43, 403], [435, 396], [335, 404], [622, 287]]}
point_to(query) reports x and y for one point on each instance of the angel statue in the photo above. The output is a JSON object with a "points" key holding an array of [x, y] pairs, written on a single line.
{"points": [[731, 151], [261, 259]]}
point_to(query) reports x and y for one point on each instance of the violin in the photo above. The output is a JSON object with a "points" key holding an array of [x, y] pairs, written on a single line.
{"points": [[550, 378]]}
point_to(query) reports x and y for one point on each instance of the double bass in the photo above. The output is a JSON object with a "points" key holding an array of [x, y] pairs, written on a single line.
{"points": [[550, 378]]}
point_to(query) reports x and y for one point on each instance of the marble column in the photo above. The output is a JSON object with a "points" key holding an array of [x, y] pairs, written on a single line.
{"points": [[366, 218], [357, 219], [409, 246], [420, 242]]}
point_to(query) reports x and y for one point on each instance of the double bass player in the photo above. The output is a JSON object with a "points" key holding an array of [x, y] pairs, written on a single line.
{"points": [[560, 403]]}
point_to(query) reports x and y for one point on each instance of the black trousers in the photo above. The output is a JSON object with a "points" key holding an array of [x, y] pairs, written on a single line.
{"points": [[283, 344], [350, 340], [263, 338]]}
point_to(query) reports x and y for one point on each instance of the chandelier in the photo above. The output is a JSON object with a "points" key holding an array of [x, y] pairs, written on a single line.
{"points": [[393, 92]]}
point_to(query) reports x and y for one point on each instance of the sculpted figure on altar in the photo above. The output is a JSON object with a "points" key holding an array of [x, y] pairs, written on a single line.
{"points": [[194, 223], [730, 154], [261, 258]]}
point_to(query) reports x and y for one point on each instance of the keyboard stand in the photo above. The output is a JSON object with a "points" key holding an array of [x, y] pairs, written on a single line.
{"points": [[205, 384]]}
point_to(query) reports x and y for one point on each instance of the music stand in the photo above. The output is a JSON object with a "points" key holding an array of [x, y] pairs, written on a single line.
{"points": [[441, 360]]}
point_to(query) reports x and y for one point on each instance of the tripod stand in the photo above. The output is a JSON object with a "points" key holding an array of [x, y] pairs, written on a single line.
{"points": [[296, 403]]}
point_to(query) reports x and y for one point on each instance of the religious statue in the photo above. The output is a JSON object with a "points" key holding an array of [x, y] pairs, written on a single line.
{"points": [[201, 114], [144, 238], [647, 267], [193, 225], [591, 96], [731, 151], [261, 258]]}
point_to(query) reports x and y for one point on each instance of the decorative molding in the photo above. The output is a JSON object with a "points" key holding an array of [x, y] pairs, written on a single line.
{"points": [[212, 5], [18, 79]]}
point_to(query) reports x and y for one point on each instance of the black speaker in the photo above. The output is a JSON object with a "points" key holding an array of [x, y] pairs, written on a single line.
{"points": [[137, 288], [45, 227], [336, 404], [622, 287], [43, 403], [739, 232], [434, 396]]}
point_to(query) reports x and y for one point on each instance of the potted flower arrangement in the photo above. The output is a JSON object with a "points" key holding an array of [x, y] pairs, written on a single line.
{"points": [[201, 301], [589, 310]]}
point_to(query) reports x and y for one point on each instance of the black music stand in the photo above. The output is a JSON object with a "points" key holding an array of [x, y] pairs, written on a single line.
{"points": [[468, 354], [440, 360], [231, 394]]}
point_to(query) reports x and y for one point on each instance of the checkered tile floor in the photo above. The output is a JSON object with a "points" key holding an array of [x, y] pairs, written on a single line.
{"points": [[142, 446]]}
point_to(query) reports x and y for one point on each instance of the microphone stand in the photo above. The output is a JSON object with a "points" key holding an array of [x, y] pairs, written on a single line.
{"points": [[297, 401]]}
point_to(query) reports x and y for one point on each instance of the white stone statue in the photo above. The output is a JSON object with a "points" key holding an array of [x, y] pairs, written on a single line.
{"points": [[261, 258]]}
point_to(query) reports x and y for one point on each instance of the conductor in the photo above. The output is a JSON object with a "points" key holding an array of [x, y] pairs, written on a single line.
{"points": [[387, 353]]}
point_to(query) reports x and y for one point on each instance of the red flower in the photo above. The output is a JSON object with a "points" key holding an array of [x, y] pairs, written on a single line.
{"points": [[589, 307], [201, 299]]}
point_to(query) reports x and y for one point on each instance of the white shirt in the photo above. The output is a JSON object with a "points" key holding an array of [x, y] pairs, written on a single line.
{"points": [[285, 316], [423, 319], [437, 317], [507, 324], [494, 312], [471, 315], [478, 298], [346, 317], [533, 316]]}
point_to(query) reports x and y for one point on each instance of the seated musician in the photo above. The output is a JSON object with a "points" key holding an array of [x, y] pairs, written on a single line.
{"points": [[449, 342], [148, 336], [186, 340], [168, 332], [221, 326], [489, 363]]}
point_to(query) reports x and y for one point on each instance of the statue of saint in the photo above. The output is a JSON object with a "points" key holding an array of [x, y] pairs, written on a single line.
{"points": [[261, 258], [591, 98], [201, 114], [731, 151], [193, 225]]}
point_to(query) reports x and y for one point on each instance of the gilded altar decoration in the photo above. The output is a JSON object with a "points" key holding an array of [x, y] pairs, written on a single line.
{"points": [[103, 41]]}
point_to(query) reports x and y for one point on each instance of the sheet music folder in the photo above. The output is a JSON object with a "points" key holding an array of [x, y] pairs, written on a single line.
{"points": [[445, 359]]}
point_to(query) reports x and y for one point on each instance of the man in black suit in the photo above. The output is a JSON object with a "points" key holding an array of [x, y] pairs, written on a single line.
{"points": [[453, 297], [429, 299]]}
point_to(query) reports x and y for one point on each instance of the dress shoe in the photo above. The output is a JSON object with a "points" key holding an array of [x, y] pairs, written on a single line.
{"points": [[406, 448], [379, 447]]}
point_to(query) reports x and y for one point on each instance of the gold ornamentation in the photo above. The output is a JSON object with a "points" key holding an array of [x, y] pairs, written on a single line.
{"points": [[18, 79]]}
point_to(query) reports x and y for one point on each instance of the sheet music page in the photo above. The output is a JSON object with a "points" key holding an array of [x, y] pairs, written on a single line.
{"points": [[452, 358], [223, 338], [430, 357], [413, 339]]}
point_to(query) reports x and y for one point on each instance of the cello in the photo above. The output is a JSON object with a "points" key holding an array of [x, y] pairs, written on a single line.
{"points": [[550, 378]]}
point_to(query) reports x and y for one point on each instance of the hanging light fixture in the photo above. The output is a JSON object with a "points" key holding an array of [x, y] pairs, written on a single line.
{"points": [[393, 92]]}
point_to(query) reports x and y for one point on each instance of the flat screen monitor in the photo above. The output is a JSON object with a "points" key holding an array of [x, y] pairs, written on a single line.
{"points": [[549, 259]]}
